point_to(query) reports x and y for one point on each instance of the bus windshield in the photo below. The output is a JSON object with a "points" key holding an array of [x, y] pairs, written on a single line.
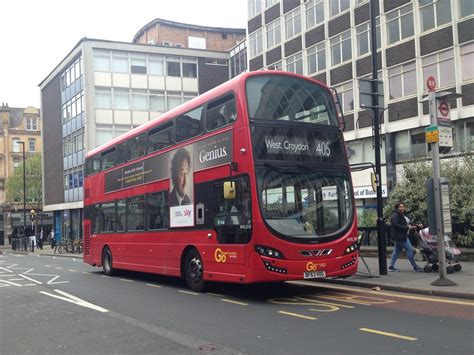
{"points": [[288, 98], [304, 205]]}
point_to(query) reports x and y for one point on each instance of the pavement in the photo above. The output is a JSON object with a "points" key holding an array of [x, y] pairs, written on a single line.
{"points": [[406, 280]]}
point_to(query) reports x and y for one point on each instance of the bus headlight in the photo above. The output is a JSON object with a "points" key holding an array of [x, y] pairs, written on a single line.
{"points": [[351, 248], [270, 252]]}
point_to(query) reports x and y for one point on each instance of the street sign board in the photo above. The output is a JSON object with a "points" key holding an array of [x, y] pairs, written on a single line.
{"points": [[443, 109], [365, 93], [432, 134], [445, 134], [431, 83]]}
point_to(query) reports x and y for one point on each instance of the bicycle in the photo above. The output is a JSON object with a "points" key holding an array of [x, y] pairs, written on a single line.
{"points": [[77, 246], [60, 247]]}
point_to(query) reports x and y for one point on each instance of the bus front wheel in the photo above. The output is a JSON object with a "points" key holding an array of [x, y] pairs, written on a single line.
{"points": [[107, 262], [193, 271]]}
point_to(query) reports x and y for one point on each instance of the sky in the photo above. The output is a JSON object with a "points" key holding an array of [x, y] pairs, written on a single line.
{"points": [[35, 35]]}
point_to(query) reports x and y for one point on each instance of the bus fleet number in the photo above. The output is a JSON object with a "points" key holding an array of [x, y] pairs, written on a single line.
{"points": [[323, 149]]}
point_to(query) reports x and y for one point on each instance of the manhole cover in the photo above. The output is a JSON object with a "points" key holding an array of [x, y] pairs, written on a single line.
{"points": [[209, 348]]}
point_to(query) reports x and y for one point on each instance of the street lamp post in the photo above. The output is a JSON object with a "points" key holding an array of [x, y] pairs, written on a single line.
{"points": [[24, 191]]}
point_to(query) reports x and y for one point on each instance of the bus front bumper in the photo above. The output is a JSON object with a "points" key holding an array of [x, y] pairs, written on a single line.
{"points": [[272, 269]]}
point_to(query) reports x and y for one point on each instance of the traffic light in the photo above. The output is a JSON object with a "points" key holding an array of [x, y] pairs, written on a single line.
{"points": [[33, 215]]}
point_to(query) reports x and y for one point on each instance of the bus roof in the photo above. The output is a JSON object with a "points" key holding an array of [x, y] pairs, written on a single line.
{"points": [[232, 84]]}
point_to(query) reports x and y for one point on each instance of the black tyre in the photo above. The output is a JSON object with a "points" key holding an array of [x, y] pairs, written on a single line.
{"points": [[450, 269], [194, 271], [107, 262], [457, 267], [435, 267], [427, 268]]}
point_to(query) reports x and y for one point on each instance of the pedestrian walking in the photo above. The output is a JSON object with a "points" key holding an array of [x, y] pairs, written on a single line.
{"points": [[399, 230], [40, 244]]}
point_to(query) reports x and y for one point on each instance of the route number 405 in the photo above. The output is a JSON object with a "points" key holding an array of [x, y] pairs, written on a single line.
{"points": [[323, 149]]}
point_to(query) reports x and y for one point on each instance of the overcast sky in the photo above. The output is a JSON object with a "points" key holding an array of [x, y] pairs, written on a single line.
{"points": [[35, 35]]}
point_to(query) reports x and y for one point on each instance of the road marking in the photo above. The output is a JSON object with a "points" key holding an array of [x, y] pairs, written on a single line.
{"points": [[75, 300], [6, 270], [71, 270], [153, 285], [297, 315], [388, 334], [126, 280], [87, 273], [189, 292], [214, 294], [234, 302], [104, 276], [26, 277], [59, 268], [324, 302], [382, 293], [10, 283]]}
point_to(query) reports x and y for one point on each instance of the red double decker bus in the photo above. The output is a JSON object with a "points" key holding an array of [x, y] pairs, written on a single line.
{"points": [[249, 182]]}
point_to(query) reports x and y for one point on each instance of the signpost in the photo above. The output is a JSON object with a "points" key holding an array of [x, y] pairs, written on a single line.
{"points": [[439, 111]]}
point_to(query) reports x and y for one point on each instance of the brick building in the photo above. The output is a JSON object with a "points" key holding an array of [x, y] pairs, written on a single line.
{"points": [[18, 125], [175, 34]]}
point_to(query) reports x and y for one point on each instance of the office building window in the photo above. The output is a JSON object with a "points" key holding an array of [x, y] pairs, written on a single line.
{"points": [[467, 59], [434, 13], [120, 64], [400, 24], [16, 163], [341, 48], [121, 99], [139, 100], [269, 3], [314, 13], [363, 37], [275, 66], [441, 66], [466, 8], [190, 70], [294, 63], [346, 96], [173, 67], [157, 101], [255, 43], [316, 58], [155, 66], [101, 64], [138, 65], [273, 34], [103, 99], [32, 145], [173, 99], [293, 23], [402, 80], [338, 6], [254, 7]]}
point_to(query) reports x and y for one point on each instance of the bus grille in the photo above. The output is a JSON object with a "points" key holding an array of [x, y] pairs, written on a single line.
{"points": [[321, 252], [87, 239]]}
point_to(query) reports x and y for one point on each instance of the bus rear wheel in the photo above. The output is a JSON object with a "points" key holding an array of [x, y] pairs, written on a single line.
{"points": [[194, 271], [107, 262]]}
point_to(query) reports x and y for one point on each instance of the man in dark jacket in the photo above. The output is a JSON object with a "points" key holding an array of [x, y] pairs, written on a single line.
{"points": [[399, 229]]}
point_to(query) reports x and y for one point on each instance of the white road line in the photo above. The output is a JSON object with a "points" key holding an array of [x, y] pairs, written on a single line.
{"points": [[153, 285], [26, 277], [188, 293], [297, 315], [10, 283], [126, 280], [75, 300], [71, 270], [6, 270], [214, 294], [234, 302]]}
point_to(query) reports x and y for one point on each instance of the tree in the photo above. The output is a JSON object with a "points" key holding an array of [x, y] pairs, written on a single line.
{"points": [[412, 191], [14, 184]]}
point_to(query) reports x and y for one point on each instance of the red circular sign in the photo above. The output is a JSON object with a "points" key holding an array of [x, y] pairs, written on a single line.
{"points": [[431, 83], [443, 108]]}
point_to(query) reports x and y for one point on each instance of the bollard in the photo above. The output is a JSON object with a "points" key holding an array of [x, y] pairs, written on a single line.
{"points": [[32, 246]]}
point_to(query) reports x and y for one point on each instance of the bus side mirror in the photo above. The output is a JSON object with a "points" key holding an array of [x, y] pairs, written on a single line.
{"points": [[229, 190]]}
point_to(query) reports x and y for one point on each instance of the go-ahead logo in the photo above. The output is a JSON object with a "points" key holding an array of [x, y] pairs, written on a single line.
{"points": [[221, 256], [310, 266]]}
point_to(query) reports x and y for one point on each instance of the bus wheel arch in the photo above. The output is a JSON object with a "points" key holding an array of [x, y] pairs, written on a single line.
{"points": [[192, 269], [107, 261]]}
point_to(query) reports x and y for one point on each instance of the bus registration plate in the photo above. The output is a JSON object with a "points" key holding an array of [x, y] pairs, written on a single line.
{"points": [[314, 274]]}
